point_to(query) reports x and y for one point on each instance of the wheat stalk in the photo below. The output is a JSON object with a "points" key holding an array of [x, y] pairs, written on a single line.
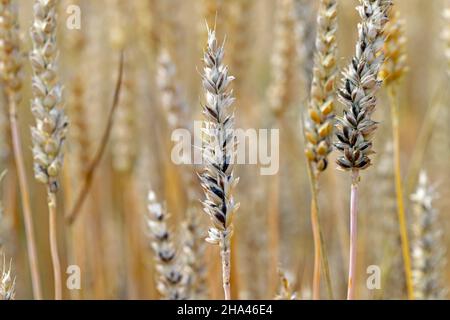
{"points": [[172, 276], [11, 63], [428, 252], [393, 69], [219, 150], [49, 133], [355, 128]]}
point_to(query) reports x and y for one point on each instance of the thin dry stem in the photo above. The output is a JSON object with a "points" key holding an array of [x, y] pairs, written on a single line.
{"points": [[399, 192], [353, 235], [53, 237]]}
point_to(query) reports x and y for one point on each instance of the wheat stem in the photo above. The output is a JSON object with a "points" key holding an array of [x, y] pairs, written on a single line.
{"points": [[26, 207], [393, 100], [53, 237], [353, 235]]}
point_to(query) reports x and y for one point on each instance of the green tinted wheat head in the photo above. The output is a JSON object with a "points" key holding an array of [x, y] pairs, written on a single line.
{"points": [[7, 282], [355, 128], [428, 252], [219, 148], [321, 108], [172, 273]]}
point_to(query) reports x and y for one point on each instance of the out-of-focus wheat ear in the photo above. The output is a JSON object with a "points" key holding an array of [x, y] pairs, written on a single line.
{"points": [[283, 87], [193, 246], [124, 135], [306, 15], [355, 128], [428, 250], [172, 273], [7, 281], [395, 63], [173, 104], [285, 291], [240, 17], [11, 64], [219, 150]]}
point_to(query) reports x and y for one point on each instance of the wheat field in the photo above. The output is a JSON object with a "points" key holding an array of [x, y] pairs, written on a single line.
{"points": [[341, 185]]}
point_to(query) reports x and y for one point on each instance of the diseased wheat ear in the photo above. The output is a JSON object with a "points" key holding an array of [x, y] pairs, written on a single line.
{"points": [[171, 273], [49, 133], [219, 151], [319, 126], [428, 251], [359, 86]]}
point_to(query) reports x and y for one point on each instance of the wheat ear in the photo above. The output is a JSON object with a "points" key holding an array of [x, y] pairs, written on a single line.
{"points": [[171, 282], [49, 133], [428, 252], [319, 125], [219, 148], [355, 128], [11, 62], [392, 70]]}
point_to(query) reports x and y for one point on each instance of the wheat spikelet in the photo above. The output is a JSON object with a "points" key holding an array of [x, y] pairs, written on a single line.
{"points": [[428, 253], [7, 282], [319, 127], [394, 66], [284, 59], [360, 84], [49, 133], [172, 277], [219, 148]]}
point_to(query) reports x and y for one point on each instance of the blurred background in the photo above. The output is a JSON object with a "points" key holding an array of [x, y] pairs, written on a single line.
{"points": [[163, 41]]}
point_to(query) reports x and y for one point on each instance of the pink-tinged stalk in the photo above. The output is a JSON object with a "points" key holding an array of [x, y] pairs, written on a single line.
{"points": [[353, 235]]}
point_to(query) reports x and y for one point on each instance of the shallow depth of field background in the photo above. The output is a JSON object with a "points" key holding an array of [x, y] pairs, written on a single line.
{"points": [[109, 240]]}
